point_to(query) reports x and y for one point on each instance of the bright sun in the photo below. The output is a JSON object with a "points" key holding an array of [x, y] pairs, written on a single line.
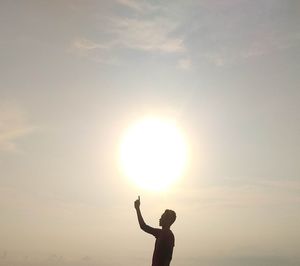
{"points": [[153, 153]]}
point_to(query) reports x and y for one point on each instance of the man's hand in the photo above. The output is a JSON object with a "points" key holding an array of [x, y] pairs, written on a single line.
{"points": [[137, 203]]}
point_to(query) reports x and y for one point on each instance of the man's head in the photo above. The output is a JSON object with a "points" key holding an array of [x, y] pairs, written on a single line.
{"points": [[167, 218]]}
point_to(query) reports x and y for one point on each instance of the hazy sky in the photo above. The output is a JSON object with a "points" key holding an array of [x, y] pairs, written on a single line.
{"points": [[73, 77]]}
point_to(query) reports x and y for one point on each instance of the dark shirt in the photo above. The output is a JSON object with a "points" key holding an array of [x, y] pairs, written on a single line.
{"points": [[163, 249]]}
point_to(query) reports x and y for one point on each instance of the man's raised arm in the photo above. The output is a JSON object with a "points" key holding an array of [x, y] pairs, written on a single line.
{"points": [[143, 225]]}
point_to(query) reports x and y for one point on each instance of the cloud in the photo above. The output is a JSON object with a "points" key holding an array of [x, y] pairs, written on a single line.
{"points": [[146, 32], [229, 32], [13, 126], [211, 31], [184, 64], [97, 52], [150, 31], [147, 35], [138, 6], [85, 44], [86, 258], [272, 41], [138, 34], [130, 4], [257, 193], [217, 59]]}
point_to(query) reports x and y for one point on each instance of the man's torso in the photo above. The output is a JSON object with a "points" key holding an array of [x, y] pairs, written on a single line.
{"points": [[163, 249]]}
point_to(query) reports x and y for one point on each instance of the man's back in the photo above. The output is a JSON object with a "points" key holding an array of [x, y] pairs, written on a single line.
{"points": [[163, 249]]}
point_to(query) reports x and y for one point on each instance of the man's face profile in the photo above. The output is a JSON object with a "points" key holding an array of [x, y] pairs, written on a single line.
{"points": [[162, 219]]}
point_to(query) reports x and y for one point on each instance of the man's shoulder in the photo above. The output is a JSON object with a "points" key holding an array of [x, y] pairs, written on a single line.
{"points": [[167, 233], [167, 236]]}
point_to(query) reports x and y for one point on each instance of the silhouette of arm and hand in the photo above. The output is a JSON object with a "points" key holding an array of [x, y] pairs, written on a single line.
{"points": [[163, 249], [148, 229]]}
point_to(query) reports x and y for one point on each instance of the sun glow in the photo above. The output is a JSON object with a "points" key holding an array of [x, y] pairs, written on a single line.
{"points": [[153, 153]]}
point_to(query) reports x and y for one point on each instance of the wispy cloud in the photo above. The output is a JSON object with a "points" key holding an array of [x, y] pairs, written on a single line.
{"points": [[229, 32], [13, 126], [85, 44], [144, 35], [147, 35], [211, 31], [146, 32], [138, 6], [131, 4], [271, 42], [184, 64], [217, 50], [259, 193]]}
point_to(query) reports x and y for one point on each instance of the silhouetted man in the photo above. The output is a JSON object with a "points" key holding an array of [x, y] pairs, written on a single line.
{"points": [[164, 244]]}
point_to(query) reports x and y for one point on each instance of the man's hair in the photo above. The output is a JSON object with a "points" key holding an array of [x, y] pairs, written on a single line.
{"points": [[171, 216]]}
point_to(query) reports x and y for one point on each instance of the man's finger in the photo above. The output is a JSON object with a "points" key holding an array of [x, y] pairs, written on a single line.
{"points": [[139, 198]]}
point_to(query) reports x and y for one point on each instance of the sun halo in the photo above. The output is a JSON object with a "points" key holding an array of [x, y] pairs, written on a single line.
{"points": [[153, 153]]}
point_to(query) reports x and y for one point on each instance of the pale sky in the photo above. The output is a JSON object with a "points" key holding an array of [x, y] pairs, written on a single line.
{"points": [[75, 74]]}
